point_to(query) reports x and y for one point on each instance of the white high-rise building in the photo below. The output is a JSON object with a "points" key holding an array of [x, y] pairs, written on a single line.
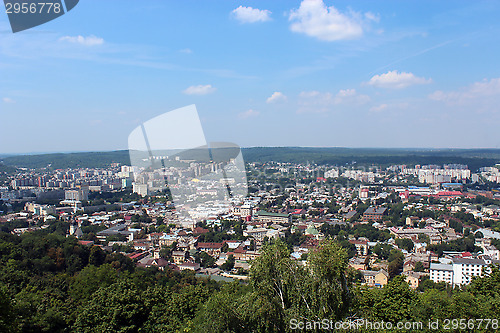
{"points": [[141, 189], [461, 270], [441, 273]]}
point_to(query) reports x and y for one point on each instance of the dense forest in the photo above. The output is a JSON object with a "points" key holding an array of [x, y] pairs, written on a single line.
{"points": [[50, 283], [69, 160], [474, 158]]}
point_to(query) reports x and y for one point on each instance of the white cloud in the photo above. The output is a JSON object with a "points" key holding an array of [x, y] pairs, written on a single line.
{"points": [[248, 114], [251, 15], [276, 97], [8, 100], [483, 96], [350, 96], [315, 19], [391, 106], [372, 17], [396, 80], [187, 51], [379, 108], [315, 101], [484, 91], [87, 41], [199, 90], [307, 94]]}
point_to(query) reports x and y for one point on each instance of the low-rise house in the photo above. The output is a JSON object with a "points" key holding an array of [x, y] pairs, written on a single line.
{"points": [[160, 263], [244, 255], [361, 246], [189, 265], [375, 278], [270, 218], [358, 263], [212, 249], [232, 244], [178, 257], [199, 231], [374, 213], [138, 245], [413, 278]]}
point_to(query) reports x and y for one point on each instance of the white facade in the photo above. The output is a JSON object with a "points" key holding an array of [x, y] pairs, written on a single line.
{"points": [[332, 173], [141, 189], [460, 271], [441, 273], [464, 269]]}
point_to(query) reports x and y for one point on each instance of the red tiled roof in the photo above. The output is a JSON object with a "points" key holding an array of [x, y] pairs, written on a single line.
{"points": [[354, 241], [200, 230], [209, 245]]}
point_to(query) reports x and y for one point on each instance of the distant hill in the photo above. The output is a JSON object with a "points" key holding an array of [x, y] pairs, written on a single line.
{"points": [[474, 158], [6, 168], [69, 160]]}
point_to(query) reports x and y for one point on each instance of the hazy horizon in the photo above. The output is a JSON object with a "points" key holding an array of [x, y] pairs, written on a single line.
{"points": [[250, 147]]}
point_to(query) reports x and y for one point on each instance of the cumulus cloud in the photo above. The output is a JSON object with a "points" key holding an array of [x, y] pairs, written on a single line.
{"points": [[379, 108], [350, 96], [483, 91], [315, 19], [248, 114], [315, 101], [276, 97], [8, 100], [86, 41], [396, 80], [251, 15], [199, 90], [372, 17]]}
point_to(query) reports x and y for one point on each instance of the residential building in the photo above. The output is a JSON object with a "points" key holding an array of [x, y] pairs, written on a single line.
{"points": [[374, 213], [441, 273], [375, 278]]}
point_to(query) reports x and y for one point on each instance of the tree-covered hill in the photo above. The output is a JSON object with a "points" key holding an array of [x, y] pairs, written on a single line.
{"points": [[474, 158], [69, 160]]}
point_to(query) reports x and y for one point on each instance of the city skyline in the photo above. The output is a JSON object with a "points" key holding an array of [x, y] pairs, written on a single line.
{"points": [[287, 73]]}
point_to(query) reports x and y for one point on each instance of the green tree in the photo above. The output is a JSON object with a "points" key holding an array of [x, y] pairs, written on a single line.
{"points": [[171, 312], [116, 308], [224, 311], [273, 277], [419, 267], [206, 260], [7, 315], [382, 250], [397, 301], [90, 279], [229, 264], [325, 289], [405, 243], [435, 304], [97, 256], [396, 259]]}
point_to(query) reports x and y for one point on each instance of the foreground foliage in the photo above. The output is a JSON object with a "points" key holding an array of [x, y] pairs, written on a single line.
{"points": [[50, 283]]}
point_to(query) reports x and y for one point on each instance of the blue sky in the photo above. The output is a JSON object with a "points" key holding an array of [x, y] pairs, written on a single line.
{"points": [[261, 73]]}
